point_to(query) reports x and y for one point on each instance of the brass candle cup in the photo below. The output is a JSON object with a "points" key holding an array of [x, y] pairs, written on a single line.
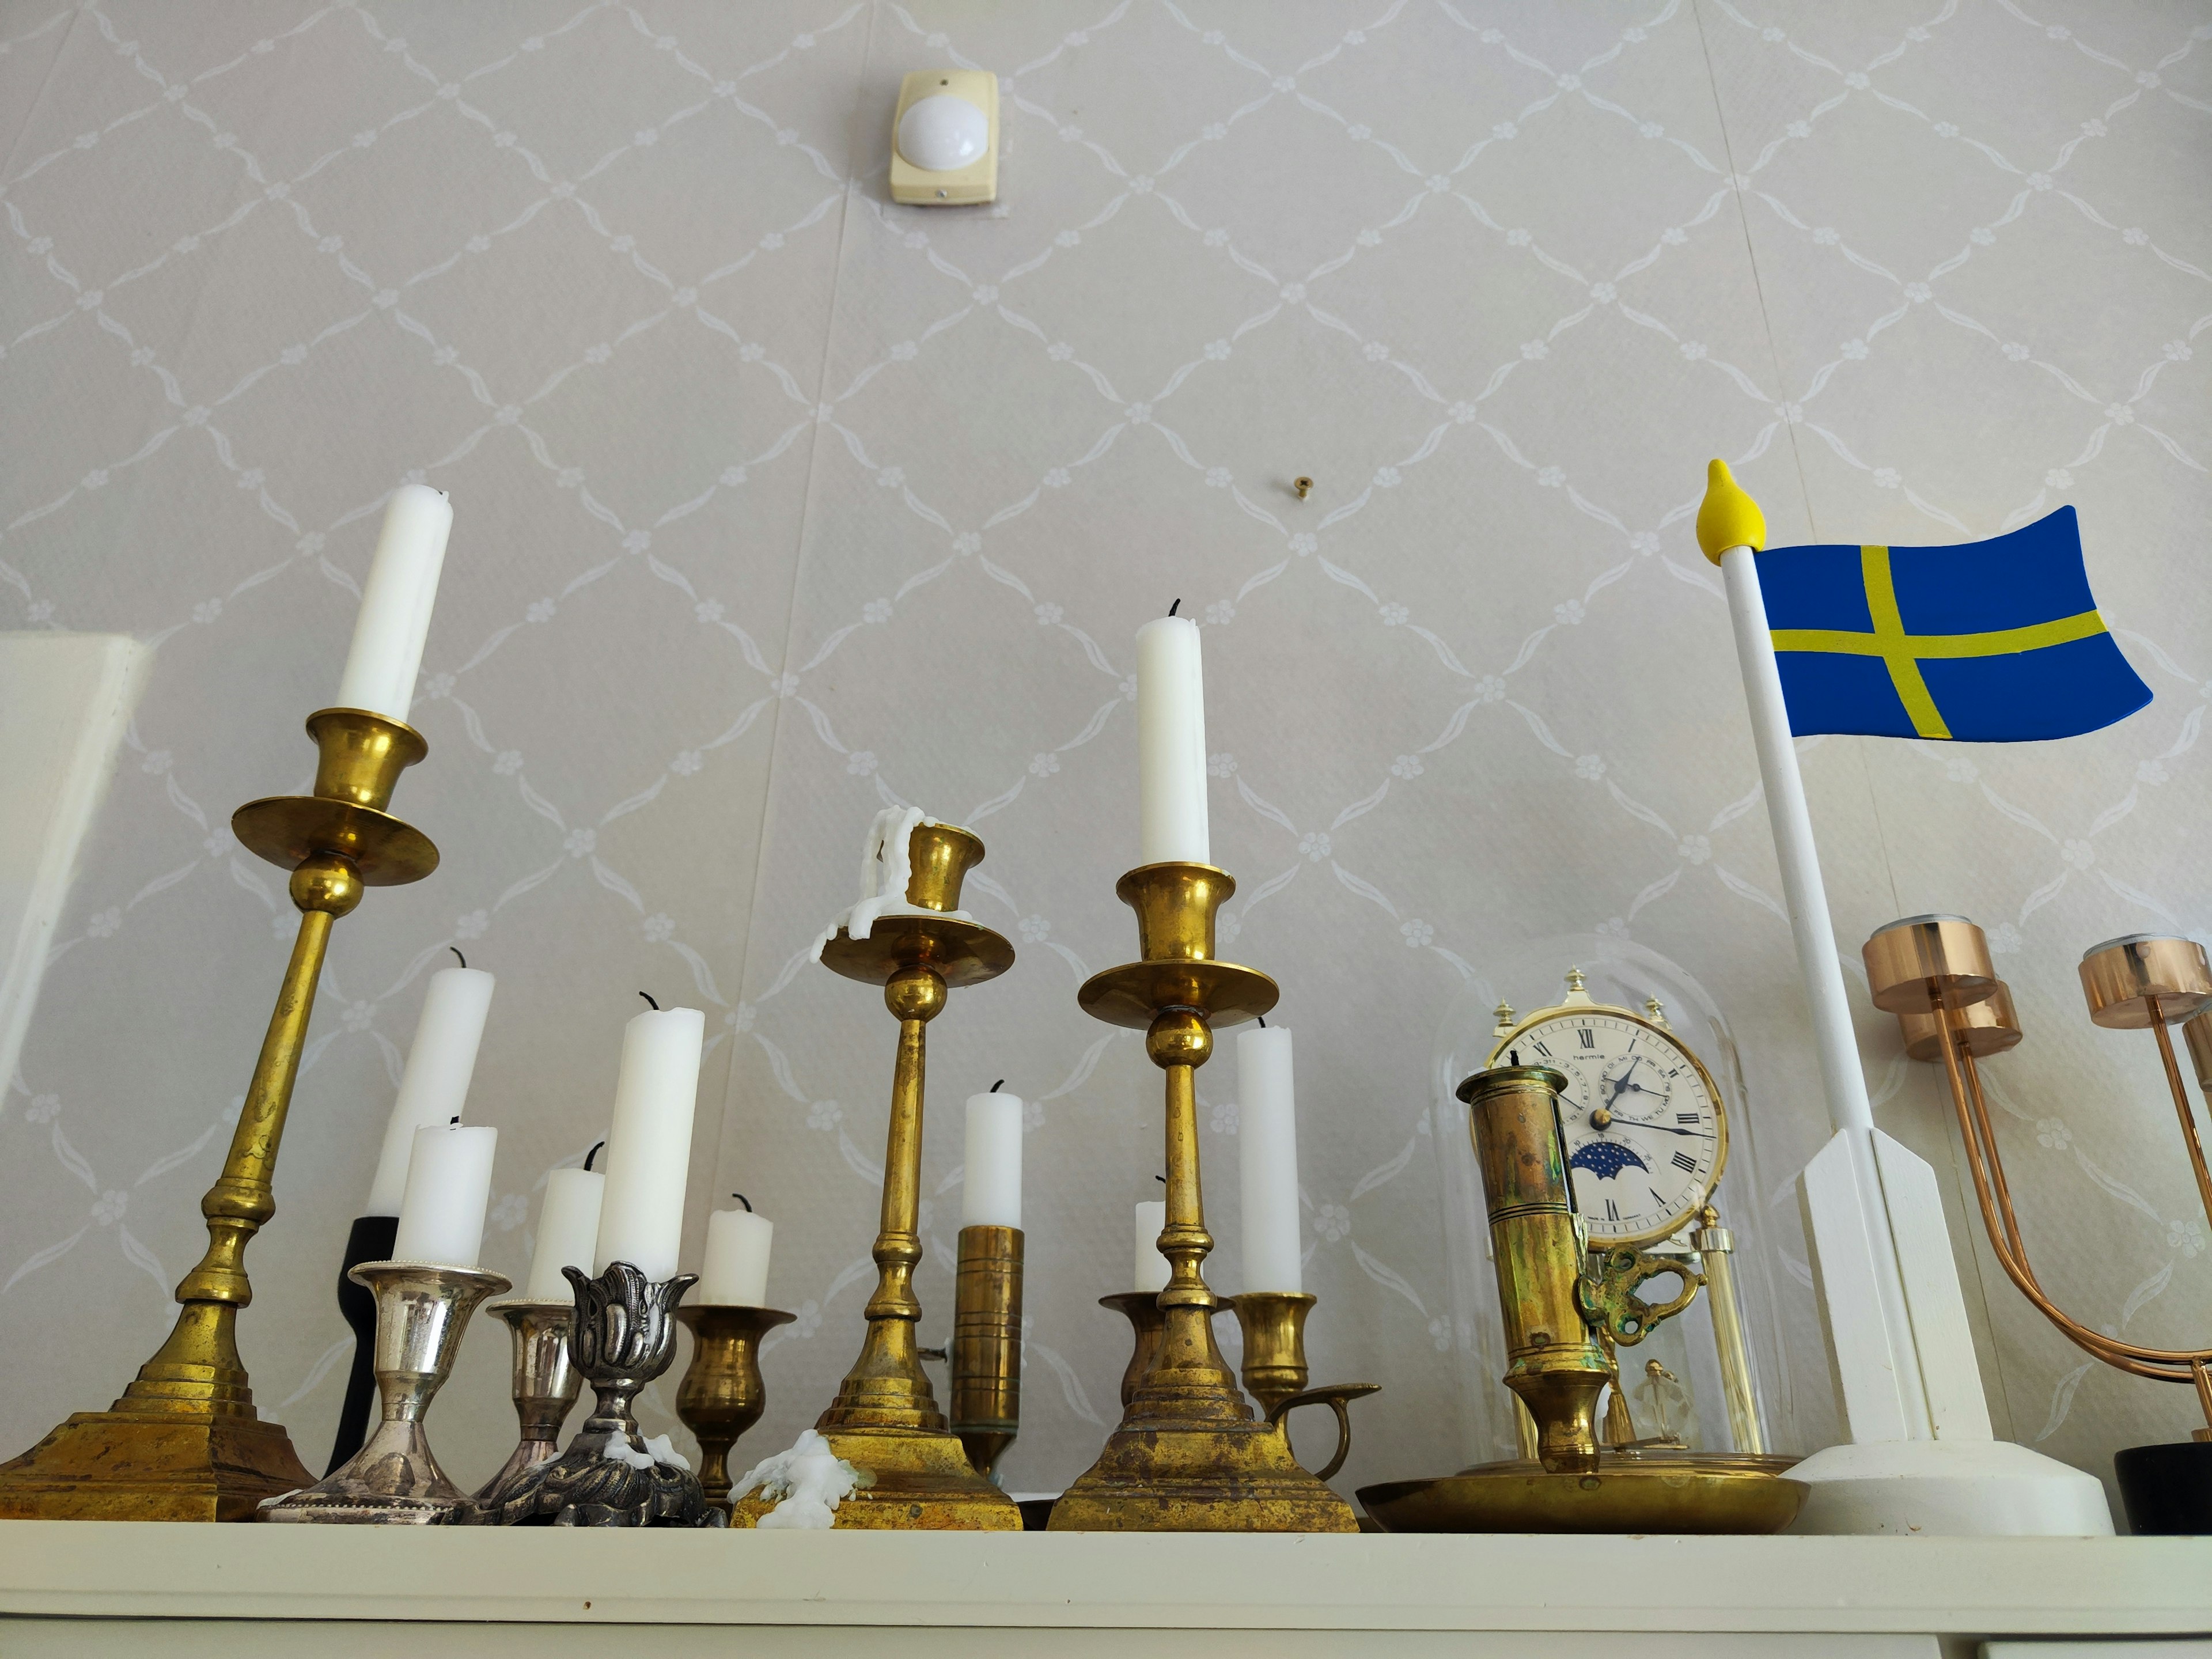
{"points": [[183, 1442], [1190, 1456], [544, 1384], [721, 1394], [1274, 1326], [886, 1419], [987, 1344], [2141, 982], [422, 1312]]}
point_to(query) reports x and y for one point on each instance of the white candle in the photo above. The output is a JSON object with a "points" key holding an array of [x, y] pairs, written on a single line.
{"points": [[436, 1081], [992, 1186], [1151, 1267], [567, 1228], [1267, 1152], [395, 603], [1170, 745], [649, 1147], [448, 1184], [735, 1273]]}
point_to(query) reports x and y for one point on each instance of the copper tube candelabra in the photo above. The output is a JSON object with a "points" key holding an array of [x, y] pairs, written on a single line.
{"points": [[886, 1419], [1189, 1455], [183, 1442], [1934, 972], [722, 1394], [987, 1344]]}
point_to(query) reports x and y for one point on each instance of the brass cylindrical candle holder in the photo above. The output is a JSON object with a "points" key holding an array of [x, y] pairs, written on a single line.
{"points": [[183, 1442], [886, 1419], [422, 1312], [545, 1385], [721, 1394], [987, 1344], [1273, 1323], [1190, 1456]]}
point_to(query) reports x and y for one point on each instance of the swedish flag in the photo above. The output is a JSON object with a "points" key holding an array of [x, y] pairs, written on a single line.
{"points": [[1993, 641]]}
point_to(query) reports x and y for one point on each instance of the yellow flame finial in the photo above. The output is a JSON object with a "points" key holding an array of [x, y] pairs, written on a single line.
{"points": [[1727, 517]]}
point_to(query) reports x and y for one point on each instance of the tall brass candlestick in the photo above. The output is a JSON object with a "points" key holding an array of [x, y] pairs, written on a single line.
{"points": [[1190, 1456], [183, 1442], [886, 1419]]}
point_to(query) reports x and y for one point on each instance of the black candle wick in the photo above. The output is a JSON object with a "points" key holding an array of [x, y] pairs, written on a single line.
{"points": [[596, 1148], [999, 1085], [452, 1120], [743, 1200], [456, 950], [1171, 608], [648, 995], [1263, 1021]]}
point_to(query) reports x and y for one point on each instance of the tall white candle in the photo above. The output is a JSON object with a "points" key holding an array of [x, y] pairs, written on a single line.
{"points": [[1170, 745], [448, 1184], [1151, 1270], [1267, 1152], [567, 1229], [649, 1147], [992, 1191], [436, 1081], [735, 1272], [395, 603]]}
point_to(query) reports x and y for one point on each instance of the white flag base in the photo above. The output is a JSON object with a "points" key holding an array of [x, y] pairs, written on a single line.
{"points": [[1923, 1459], [1969, 1488]]}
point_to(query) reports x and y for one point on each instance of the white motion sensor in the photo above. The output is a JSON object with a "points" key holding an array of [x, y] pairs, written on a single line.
{"points": [[944, 139], [944, 133]]}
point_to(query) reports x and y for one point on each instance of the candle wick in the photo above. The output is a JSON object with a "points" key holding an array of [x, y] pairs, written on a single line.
{"points": [[452, 1120], [1171, 608], [999, 1085], [1162, 1180], [743, 1200], [597, 1147], [648, 995], [1263, 1021], [456, 950]]}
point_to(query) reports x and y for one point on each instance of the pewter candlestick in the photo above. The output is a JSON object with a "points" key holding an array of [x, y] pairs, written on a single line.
{"points": [[420, 1312]]}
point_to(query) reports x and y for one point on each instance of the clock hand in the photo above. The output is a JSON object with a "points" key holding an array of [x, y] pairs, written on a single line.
{"points": [[1663, 1128], [1622, 1082]]}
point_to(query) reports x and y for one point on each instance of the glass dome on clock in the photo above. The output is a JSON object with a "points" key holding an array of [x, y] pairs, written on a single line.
{"points": [[1673, 1381]]}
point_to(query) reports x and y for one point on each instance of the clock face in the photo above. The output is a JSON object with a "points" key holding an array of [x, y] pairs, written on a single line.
{"points": [[1644, 1135]]}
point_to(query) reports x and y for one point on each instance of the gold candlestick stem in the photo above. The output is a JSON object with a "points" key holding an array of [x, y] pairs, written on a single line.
{"points": [[886, 1419], [722, 1394], [1189, 1456], [184, 1443]]}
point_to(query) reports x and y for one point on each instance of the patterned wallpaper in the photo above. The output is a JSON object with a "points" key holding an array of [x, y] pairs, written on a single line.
{"points": [[776, 503]]}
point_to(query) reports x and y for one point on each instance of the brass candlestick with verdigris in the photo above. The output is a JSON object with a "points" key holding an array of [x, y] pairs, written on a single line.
{"points": [[1190, 1455], [910, 935], [1563, 1307], [183, 1442]]}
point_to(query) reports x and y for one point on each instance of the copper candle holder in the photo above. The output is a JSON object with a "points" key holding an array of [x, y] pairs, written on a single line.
{"points": [[1190, 1456], [183, 1442], [987, 1344], [721, 1394]]}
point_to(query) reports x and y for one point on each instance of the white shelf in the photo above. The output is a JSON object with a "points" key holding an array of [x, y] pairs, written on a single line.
{"points": [[59, 1581]]}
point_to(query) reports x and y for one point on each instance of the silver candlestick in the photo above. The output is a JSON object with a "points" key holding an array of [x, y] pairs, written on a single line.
{"points": [[622, 1338], [422, 1310], [545, 1385]]}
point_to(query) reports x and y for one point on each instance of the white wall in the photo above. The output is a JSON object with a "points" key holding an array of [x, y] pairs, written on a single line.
{"points": [[774, 503]]}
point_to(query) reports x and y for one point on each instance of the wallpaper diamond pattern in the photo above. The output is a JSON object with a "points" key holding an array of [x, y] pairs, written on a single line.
{"points": [[776, 502]]}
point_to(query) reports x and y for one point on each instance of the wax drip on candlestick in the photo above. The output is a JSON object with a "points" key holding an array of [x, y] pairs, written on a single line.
{"points": [[597, 1147], [458, 956], [648, 995], [743, 1200]]}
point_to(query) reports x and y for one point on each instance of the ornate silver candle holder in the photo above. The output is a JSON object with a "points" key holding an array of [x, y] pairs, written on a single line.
{"points": [[394, 1479], [545, 1384], [623, 1336]]}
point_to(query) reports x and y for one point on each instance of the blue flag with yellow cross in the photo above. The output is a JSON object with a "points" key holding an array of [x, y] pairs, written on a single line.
{"points": [[1991, 641]]}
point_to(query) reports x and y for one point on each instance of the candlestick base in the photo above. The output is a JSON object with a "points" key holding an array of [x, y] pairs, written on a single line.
{"points": [[394, 1479], [923, 1482], [722, 1394], [623, 1336]]}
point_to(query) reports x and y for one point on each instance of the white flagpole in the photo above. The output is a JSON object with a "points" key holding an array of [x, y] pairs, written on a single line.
{"points": [[1921, 1458]]}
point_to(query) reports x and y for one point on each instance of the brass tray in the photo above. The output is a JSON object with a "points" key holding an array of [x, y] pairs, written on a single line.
{"points": [[1654, 1491]]}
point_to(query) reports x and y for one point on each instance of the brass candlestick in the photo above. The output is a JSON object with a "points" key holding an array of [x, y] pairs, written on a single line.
{"points": [[1563, 1311], [1274, 1324], [422, 1312], [545, 1385], [1934, 972], [1190, 1456], [885, 1419], [721, 1394], [183, 1442], [987, 1344]]}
